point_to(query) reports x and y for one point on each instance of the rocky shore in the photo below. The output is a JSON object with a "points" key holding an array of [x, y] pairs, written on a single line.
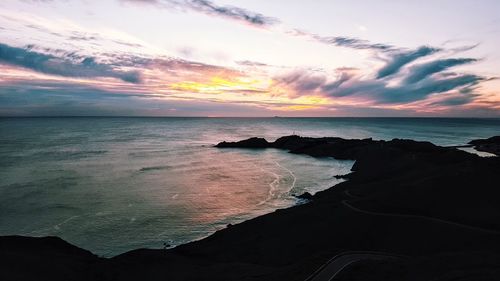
{"points": [[437, 207], [490, 145]]}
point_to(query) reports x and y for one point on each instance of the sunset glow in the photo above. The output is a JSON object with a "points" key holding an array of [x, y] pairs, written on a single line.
{"points": [[254, 61]]}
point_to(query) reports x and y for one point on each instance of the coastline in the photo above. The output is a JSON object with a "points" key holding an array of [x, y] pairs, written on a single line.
{"points": [[419, 182]]}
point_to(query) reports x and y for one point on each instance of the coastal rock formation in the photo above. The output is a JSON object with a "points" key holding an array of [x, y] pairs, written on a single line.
{"points": [[248, 143], [305, 195], [437, 207], [491, 145]]}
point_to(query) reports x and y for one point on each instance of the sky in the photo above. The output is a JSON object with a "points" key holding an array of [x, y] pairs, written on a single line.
{"points": [[250, 58]]}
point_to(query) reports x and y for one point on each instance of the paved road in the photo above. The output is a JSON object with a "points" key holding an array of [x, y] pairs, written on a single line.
{"points": [[476, 228], [348, 205], [335, 265]]}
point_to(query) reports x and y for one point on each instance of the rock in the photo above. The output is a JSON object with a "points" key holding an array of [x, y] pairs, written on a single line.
{"points": [[306, 195], [492, 140], [491, 145], [248, 143]]}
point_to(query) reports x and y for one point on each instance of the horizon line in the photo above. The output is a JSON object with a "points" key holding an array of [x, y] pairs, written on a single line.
{"points": [[346, 117]]}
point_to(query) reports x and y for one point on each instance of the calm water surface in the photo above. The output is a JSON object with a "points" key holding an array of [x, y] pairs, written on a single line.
{"points": [[115, 184]]}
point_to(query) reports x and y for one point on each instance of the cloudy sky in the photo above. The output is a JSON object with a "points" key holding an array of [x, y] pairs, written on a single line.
{"points": [[250, 58]]}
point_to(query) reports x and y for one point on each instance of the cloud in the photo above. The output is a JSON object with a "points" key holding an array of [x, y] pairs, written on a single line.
{"points": [[342, 41], [403, 80], [252, 63], [42, 98], [210, 8], [350, 42], [401, 59], [231, 12], [175, 64], [169, 69], [81, 36], [62, 65], [260, 20], [418, 85], [381, 92], [345, 75], [455, 101], [257, 19], [302, 82], [408, 93], [421, 71]]}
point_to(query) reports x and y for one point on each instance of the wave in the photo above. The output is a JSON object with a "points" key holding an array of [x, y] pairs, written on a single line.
{"points": [[67, 155], [274, 192]]}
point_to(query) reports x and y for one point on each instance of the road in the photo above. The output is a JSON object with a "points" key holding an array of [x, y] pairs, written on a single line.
{"points": [[336, 264], [476, 228]]}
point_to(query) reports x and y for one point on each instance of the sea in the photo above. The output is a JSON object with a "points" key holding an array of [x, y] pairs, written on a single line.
{"points": [[113, 184]]}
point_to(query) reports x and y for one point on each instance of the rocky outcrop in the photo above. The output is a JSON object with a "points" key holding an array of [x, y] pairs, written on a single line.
{"points": [[305, 195], [490, 145], [248, 143]]}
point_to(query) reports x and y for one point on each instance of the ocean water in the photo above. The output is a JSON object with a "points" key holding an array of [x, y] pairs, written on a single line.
{"points": [[115, 184]]}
